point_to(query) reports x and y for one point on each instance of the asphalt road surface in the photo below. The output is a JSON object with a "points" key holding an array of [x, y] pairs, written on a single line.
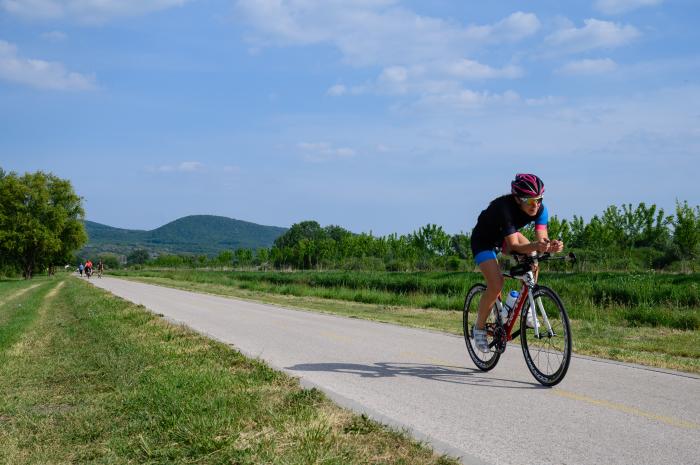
{"points": [[602, 413]]}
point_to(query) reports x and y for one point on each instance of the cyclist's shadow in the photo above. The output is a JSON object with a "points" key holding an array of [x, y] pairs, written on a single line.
{"points": [[443, 373]]}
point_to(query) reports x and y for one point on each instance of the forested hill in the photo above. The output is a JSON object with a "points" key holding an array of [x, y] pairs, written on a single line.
{"points": [[197, 234]]}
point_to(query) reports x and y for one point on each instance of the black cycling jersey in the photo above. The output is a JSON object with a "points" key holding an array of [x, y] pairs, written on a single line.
{"points": [[502, 218]]}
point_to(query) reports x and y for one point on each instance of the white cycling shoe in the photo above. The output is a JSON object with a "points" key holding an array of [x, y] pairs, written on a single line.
{"points": [[480, 340]]}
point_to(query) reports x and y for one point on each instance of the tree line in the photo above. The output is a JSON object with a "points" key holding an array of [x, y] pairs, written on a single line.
{"points": [[621, 237], [41, 226]]}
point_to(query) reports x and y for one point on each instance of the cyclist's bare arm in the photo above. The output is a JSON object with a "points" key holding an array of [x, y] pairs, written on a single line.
{"points": [[542, 236], [518, 243]]}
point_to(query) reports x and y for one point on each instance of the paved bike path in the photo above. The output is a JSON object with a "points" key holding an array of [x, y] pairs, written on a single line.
{"points": [[602, 413]]}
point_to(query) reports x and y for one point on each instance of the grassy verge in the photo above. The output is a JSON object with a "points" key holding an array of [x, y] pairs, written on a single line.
{"points": [[88, 377], [600, 331], [642, 299]]}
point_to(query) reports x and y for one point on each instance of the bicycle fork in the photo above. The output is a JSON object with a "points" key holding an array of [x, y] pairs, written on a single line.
{"points": [[530, 282]]}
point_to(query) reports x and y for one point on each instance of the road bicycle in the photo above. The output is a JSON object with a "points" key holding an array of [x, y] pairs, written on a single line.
{"points": [[545, 336]]}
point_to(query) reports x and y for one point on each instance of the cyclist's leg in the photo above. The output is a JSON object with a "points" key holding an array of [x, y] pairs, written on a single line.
{"points": [[494, 284]]}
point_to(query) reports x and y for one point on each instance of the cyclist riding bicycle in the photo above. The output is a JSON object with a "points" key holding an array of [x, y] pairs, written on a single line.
{"points": [[497, 230]]}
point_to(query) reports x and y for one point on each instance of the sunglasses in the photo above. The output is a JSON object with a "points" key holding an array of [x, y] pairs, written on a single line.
{"points": [[531, 201]]}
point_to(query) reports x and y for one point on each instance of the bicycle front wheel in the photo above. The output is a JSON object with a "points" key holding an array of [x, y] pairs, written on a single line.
{"points": [[548, 354], [483, 361]]}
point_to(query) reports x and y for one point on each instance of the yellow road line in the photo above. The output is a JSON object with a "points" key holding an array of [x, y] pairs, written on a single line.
{"points": [[627, 409], [438, 361]]}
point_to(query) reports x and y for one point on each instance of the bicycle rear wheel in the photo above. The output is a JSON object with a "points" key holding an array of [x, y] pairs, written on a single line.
{"points": [[548, 355], [483, 361]]}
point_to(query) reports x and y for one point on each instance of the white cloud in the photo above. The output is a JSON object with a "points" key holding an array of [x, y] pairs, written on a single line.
{"points": [[614, 7], [515, 27], [415, 80], [542, 101], [189, 166], [184, 167], [418, 56], [588, 67], [88, 11], [337, 90], [394, 79], [38, 73], [437, 78], [323, 151], [469, 69], [54, 36], [376, 32], [466, 99], [594, 34]]}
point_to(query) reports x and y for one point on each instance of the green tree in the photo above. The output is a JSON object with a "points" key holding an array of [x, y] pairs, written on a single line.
{"points": [[612, 228], [110, 261], [460, 245], [262, 257], [309, 230], [686, 231], [578, 233], [657, 229], [137, 257], [243, 257], [336, 233], [225, 258], [326, 250], [559, 229], [432, 240], [41, 220], [645, 226]]}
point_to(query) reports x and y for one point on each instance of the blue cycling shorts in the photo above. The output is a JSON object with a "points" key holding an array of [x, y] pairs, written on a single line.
{"points": [[484, 255]]}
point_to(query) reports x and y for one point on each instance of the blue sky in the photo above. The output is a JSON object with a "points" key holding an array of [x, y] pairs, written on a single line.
{"points": [[376, 115]]}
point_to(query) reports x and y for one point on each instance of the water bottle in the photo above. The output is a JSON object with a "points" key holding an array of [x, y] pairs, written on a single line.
{"points": [[509, 304]]}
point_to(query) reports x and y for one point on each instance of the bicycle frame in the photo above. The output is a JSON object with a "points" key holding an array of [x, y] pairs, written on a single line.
{"points": [[529, 285]]}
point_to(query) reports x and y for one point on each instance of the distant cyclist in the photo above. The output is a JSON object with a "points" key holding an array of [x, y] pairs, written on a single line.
{"points": [[88, 268], [100, 268], [497, 229]]}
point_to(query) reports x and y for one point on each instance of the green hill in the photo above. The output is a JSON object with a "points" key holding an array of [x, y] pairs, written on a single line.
{"points": [[196, 234]]}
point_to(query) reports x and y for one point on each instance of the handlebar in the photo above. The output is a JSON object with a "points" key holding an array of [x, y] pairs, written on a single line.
{"points": [[526, 262], [526, 258]]}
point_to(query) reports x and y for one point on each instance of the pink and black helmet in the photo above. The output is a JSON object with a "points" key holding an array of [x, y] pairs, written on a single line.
{"points": [[527, 185]]}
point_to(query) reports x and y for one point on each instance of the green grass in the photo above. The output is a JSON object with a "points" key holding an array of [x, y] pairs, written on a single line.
{"points": [[645, 299], [88, 377], [658, 327]]}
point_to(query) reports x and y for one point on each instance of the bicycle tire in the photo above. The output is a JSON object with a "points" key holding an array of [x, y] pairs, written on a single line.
{"points": [[483, 361], [549, 356]]}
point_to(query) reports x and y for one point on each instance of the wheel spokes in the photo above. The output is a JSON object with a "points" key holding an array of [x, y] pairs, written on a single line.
{"points": [[548, 350]]}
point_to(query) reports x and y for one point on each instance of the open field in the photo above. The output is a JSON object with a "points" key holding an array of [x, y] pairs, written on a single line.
{"points": [[649, 318], [88, 377]]}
